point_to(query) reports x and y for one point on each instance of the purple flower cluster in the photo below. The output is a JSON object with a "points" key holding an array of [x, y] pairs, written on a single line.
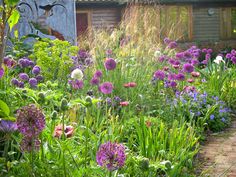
{"points": [[82, 60], [76, 84], [208, 53], [106, 88], [111, 156], [7, 126], [25, 62], [30, 122], [170, 44], [110, 64], [231, 56], [96, 78], [9, 62]]}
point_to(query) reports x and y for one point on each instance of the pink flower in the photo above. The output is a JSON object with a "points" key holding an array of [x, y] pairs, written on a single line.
{"points": [[130, 84], [68, 130], [195, 74], [124, 103], [190, 80]]}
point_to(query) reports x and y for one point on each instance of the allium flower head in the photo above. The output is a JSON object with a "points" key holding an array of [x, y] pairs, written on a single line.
{"points": [[9, 62], [172, 45], [39, 78], [33, 82], [106, 88], [111, 156], [173, 84], [7, 126], [110, 64], [159, 74], [77, 74], [77, 84], [1, 72], [24, 76], [30, 120], [233, 59], [14, 82], [21, 84], [30, 144], [233, 52], [180, 77], [167, 40], [188, 68], [98, 74], [95, 81], [36, 70]]}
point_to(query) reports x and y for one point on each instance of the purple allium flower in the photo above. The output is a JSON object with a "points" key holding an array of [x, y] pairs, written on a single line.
{"points": [[31, 63], [39, 78], [24, 62], [162, 58], [228, 55], [179, 55], [167, 40], [209, 51], [77, 84], [14, 82], [98, 74], [7, 126], [9, 62], [36, 70], [212, 116], [117, 99], [108, 101], [187, 55], [233, 52], [180, 77], [21, 84], [30, 144], [173, 84], [24, 76], [204, 50], [233, 59], [1, 72], [188, 68], [109, 52], [172, 61], [94, 81], [208, 56], [33, 82], [30, 120], [111, 156], [204, 62], [106, 88], [159, 74], [194, 62], [171, 76], [172, 45], [110, 64]]}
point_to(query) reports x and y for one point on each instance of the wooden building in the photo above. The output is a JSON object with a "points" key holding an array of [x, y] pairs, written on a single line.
{"points": [[203, 20]]}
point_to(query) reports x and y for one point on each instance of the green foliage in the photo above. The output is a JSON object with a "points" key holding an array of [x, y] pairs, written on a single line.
{"points": [[54, 57]]}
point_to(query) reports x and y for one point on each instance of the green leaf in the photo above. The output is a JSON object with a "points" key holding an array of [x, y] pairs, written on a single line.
{"points": [[13, 19], [4, 109], [13, 119], [12, 2]]}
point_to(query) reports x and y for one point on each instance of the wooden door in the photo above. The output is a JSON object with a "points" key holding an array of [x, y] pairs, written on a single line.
{"points": [[82, 23]]}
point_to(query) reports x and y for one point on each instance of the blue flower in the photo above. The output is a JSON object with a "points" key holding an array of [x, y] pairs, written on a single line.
{"points": [[223, 119], [212, 117]]}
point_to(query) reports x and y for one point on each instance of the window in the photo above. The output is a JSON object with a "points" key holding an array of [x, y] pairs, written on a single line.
{"points": [[83, 22], [228, 23], [176, 22]]}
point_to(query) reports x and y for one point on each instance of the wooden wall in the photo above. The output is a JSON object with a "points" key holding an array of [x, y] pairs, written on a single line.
{"points": [[206, 27], [108, 18]]}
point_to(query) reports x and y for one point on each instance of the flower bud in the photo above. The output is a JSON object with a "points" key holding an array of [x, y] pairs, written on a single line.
{"points": [[54, 115], [64, 104]]}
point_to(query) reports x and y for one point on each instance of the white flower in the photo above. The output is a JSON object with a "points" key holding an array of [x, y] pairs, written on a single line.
{"points": [[157, 53], [219, 59], [77, 74]]}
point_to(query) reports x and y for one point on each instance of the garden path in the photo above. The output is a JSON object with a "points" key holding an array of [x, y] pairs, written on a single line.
{"points": [[219, 154]]}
